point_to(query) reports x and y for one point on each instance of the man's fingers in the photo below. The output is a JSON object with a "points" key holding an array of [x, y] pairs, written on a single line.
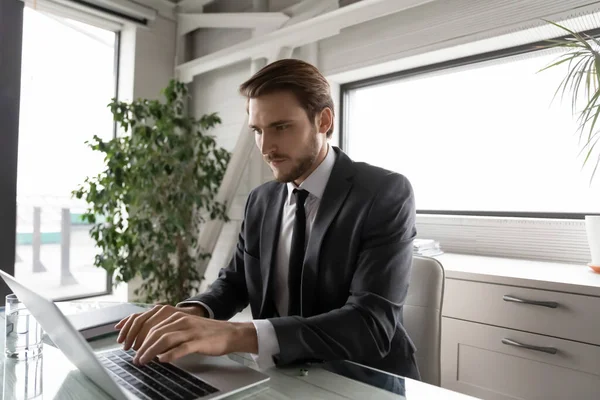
{"points": [[125, 328], [171, 324], [164, 342], [134, 320], [153, 321], [176, 352], [138, 325], [122, 322]]}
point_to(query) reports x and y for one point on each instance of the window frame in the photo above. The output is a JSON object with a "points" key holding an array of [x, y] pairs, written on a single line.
{"points": [[347, 88]]}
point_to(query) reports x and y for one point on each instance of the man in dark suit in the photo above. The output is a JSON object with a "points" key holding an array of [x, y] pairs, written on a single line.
{"points": [[324, 254]]}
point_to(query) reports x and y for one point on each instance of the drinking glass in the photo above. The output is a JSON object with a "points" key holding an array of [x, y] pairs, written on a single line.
{"points": [[23, 333]]}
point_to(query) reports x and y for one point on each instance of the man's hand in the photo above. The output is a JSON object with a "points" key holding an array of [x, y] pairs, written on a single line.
{"points": [[170, 333], [182, 334], [135, 328]]}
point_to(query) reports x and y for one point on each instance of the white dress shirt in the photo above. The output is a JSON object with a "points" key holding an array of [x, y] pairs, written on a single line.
{"points": [[315, 184]]}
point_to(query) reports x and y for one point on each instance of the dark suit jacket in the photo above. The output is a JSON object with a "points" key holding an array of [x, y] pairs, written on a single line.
{"points": [[355, 276]]}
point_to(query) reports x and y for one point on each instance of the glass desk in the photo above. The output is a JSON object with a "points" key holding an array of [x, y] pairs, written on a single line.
{"points": [[53, 376]]}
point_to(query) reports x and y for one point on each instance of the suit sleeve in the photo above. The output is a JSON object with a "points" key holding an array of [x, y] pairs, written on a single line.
{"points": [[362, 330], [227, 295]]}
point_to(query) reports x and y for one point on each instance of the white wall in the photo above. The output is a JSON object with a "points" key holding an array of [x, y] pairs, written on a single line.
{"points": [[155, 58], [147, 60], [217, 91]]}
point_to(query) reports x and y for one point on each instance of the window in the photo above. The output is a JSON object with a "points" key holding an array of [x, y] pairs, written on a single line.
{"points": [[483, 138], [68, 78]]}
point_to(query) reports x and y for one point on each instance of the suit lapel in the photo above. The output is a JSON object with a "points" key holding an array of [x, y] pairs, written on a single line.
{"points": [[269, 239], [335, 194]]}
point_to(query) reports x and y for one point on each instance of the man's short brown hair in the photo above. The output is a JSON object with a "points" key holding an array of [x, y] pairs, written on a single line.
{"points": [[301, 78]]}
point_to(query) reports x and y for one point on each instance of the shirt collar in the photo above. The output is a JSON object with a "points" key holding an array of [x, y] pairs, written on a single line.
{"points": [[317, 180]]}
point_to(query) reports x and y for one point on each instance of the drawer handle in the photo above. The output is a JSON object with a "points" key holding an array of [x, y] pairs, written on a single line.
{"points": [[549, 350], [549, 304]]}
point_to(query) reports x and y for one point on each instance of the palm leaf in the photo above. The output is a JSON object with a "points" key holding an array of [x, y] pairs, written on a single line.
{"points": [[588, 144], [595, 166], [586, 114], [579, 119], [590, 106], [593, 124], [581, 73], [593, 39], [578, 74], [582, 81], [572, 72], [577, 36], [590, 148], [565, 59], [588, 80], [576, 83], [563, 83], [597, 68]]}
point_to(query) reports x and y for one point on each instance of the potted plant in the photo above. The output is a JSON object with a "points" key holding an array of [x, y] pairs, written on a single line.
{"points": [[157, 188], [583, 82]]}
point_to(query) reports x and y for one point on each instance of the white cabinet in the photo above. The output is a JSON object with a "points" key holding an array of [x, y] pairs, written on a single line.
{"points": [[515, 337], [564, 315], [478, 361]]}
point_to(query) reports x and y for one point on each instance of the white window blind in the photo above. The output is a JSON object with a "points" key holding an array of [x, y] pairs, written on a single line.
{"points": [[482, 139], [477, 139]]}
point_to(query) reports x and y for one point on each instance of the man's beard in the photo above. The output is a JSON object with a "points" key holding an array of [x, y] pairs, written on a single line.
{"points": [[299, 169], [303, 164]]}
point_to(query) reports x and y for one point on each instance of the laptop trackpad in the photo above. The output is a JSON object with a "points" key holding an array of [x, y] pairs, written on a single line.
{"points": [[220, 372]]}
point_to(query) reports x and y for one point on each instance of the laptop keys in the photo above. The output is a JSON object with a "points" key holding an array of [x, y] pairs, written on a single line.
{"points": [[154, 380], [174, 374]]}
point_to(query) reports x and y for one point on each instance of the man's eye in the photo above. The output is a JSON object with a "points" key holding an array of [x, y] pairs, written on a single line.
{"points": [[281, 127], [256, 131]]}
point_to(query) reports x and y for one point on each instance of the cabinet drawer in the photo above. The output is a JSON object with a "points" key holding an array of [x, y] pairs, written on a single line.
{"points": [[475, 361], [575, 316]]}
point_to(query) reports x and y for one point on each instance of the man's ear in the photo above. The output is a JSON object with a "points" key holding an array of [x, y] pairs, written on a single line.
{"points": [[324, 120]]}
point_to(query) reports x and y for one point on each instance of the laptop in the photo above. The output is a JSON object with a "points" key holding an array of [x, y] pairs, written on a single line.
{"points": [[189, 378]]}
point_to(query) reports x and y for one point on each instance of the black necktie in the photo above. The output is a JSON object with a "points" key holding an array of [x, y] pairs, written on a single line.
{"points": [[297, 253]]}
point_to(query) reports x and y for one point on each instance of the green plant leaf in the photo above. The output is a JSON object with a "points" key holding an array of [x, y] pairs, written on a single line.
{"points": [[583, 82], [578, 37], [595, 166], [565, 58], [144, 204]]}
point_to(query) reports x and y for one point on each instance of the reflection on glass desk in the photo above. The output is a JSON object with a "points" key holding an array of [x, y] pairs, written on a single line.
{"points": [[52, 376], [391, 383], [26, 376]]}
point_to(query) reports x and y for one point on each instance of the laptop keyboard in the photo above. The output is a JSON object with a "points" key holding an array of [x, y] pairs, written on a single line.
{"points": [[155, 380]]}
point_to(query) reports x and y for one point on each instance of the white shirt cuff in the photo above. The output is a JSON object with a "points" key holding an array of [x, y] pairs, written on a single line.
{"points": [[211, 315], [268, 345]]}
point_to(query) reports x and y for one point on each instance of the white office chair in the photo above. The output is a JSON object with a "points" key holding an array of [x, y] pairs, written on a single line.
{"points": [[423, 315]]}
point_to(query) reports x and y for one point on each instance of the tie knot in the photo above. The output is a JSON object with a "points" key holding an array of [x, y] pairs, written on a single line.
{"points": [[301, 196]]}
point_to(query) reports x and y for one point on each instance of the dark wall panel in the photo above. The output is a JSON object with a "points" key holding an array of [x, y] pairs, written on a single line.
{"points": [[11, 34]]}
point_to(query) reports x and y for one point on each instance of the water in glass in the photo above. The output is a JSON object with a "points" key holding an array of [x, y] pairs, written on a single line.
{"points": [[23, 333]]}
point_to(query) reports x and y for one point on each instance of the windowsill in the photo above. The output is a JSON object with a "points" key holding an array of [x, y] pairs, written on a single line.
{"points": [[561, 277], [119, 294]]}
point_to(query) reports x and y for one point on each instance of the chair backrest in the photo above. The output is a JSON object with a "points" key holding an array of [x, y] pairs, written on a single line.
{"points": [[423, 315]]}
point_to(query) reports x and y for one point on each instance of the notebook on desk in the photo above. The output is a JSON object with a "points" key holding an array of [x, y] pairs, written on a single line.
{"points": [[100, 322]]}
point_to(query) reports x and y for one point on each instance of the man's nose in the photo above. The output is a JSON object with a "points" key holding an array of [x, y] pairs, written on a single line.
{"points": [[267, 144]]}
